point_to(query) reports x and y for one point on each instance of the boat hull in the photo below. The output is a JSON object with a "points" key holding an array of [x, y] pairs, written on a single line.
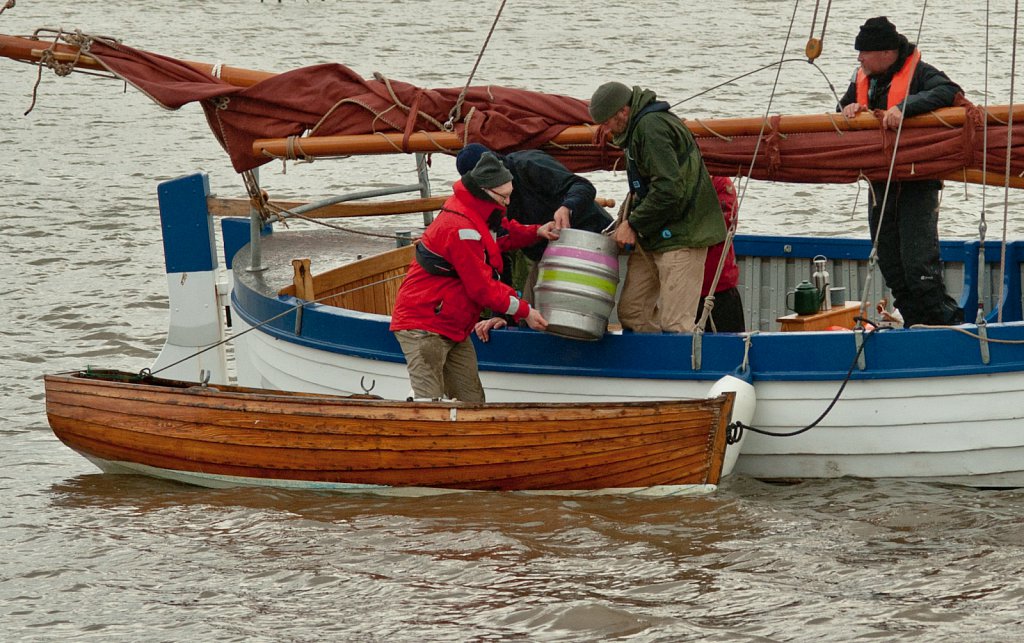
{"points": [[228, 436], [937, 404]]}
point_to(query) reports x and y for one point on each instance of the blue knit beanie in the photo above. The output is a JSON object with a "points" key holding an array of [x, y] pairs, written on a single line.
{"points": [[469, 156]]}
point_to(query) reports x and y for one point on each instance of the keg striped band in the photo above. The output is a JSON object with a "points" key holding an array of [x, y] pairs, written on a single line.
{"points": [[586, 255], [607, 285]]}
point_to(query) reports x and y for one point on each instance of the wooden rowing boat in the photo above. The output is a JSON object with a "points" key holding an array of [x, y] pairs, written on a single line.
{"points": [[233, 436]]}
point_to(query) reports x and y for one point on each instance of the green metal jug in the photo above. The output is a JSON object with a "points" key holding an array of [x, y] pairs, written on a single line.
{"points": [[804, 300]]}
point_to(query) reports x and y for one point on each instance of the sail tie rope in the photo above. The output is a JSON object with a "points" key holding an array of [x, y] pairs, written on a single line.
{"points": [[708, 129], [48, 59]]}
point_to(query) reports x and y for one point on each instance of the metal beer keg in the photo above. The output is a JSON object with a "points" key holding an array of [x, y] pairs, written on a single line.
{"points": [[575, 290]]}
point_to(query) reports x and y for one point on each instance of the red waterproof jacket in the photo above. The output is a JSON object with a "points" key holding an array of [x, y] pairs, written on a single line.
{"points": [[451, 305], [730, 271]]}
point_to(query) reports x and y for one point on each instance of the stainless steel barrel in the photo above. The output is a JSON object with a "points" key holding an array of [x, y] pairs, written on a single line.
{"points": [[575, 290]]}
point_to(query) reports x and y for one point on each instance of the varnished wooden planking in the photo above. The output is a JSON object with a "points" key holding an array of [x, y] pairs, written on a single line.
{"points": [[279, 436]]}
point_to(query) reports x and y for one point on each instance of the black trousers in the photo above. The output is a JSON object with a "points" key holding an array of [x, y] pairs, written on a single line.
{"points": [[908, 251], [727, 315]]}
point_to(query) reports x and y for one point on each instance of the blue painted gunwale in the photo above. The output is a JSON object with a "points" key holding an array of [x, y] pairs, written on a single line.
{"points": [[774, 356]]}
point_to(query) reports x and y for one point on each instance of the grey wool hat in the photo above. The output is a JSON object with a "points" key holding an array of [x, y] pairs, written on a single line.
{"points": [[489, 172], [877, 34], [608, 99]]}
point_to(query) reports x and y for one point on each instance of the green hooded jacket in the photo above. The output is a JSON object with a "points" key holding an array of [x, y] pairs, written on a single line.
{"points": [[681, 207]]}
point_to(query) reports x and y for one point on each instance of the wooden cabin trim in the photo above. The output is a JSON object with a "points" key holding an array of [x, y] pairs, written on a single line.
{"points": [[369, 285]]}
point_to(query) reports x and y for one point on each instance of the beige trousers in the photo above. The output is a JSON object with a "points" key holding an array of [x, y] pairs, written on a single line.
{"points": [[661, 291], [439, 367]]}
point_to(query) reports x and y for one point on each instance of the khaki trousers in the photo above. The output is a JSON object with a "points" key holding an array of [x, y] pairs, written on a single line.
{"points": [[439, 367], [661, 291]]}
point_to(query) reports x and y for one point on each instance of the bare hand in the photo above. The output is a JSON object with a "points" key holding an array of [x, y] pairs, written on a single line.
{"points": [[484, 327], [535, 320], [853, 109], [625, 235], [562, 218], [892, 118], [548, 231]]}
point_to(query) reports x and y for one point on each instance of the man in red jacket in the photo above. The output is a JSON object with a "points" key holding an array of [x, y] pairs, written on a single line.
{"points": [[454, 277]]}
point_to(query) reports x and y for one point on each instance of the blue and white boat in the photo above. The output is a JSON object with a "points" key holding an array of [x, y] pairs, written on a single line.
{"points": [[940, 404]]}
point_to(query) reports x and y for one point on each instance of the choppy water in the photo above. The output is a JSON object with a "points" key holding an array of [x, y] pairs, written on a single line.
{"points": [[94, 557]]}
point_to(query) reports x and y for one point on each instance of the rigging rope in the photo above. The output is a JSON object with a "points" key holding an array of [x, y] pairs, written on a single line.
{"points": [[269, 212], [982, 224], [731, 232], [1009, 150], [456, 111]]}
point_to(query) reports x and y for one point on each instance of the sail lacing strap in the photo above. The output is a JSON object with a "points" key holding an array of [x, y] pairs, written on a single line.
{"points": [[405, 108], [456, 112]]}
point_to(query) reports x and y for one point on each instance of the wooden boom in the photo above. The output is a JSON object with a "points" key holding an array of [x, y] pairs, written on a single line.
{"points": [[31, 50], [389, 143]]}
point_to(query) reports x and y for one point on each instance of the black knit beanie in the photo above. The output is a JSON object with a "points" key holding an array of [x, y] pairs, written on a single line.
{"points": [[877, 34]]}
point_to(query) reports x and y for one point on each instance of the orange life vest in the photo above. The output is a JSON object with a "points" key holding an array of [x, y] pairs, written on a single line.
{"points": [[897, 88]]}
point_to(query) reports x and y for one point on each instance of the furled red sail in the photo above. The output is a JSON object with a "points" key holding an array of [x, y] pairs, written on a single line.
{"points": [[325, 101]]}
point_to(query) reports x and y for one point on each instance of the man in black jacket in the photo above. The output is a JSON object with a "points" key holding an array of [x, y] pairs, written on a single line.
{"points": [[545, 190], [893, 79]]}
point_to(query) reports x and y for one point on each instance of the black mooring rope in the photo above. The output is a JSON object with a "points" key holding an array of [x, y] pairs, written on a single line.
{"points": [[735, 429]]}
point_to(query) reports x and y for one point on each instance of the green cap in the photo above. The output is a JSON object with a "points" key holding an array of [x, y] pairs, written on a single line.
{"points": [[490, 172], [608, 99]]}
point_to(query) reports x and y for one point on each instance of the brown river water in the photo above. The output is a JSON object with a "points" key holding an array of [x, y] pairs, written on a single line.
{"points": [[89, 557]]}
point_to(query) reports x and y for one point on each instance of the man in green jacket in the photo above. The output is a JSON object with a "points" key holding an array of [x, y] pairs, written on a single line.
{"points": [[673, 214]]}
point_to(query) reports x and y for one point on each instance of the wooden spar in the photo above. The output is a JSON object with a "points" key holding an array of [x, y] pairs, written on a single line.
{"points": [[31, 50], [996, 179], [240, 207], [219, 207], [392, 142]]}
